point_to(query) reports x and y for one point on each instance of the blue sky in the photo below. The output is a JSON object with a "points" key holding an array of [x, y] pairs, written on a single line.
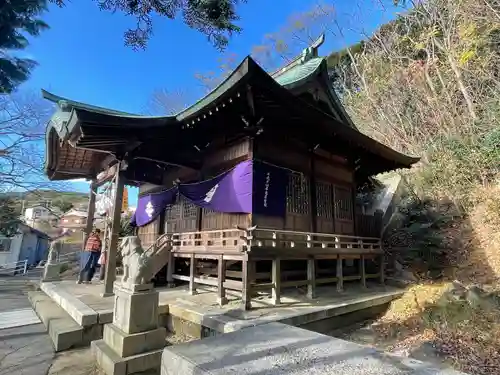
{"points": [[83, 56]]}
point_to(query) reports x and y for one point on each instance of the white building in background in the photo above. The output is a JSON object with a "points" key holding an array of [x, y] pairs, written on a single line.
{"points": [[38, 213], [76, 220]]}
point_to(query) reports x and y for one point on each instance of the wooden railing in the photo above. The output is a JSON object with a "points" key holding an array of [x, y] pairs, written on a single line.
{"points": [[205, 241], [294, 239], [159, 251], [162, 241], [221, 245], [240, 240]]}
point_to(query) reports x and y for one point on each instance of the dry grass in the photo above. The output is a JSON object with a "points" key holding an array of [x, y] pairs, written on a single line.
{"points": [[483, 264], [465, 337], [428, 84]]}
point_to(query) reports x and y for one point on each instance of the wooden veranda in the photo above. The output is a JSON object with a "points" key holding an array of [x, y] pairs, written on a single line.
{"points": [[250, 261]]}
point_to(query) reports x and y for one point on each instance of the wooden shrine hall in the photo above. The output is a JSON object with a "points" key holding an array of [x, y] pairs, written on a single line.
{"points": [[252, 188]]}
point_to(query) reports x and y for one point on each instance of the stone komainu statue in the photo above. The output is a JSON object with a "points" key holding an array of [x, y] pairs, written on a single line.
{"points": [[54, 251], [56, 246], [137, 267]]}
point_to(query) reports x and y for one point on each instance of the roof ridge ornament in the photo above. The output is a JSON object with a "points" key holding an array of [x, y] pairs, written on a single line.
{"points": [[307, 54], [312, 51], [64, 105]]}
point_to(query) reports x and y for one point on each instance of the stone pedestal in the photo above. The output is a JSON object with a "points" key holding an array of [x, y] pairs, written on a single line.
{"points": [[133, 342], [51, 272]]}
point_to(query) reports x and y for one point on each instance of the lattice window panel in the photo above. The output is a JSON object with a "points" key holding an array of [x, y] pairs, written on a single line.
{"points": [[173, 211], [343, 203], [208, 212], [297, 201], [189, 210], [324, 200]]}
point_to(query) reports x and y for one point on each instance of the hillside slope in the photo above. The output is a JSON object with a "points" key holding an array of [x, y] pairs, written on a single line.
{"points": [[428, 84], [60, 199]]}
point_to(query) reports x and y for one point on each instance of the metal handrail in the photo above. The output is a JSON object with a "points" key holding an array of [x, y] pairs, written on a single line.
{"points": [[66, 257], [14, 266]]}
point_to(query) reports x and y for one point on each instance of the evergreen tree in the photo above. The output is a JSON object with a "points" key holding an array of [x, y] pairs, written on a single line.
{"points": [[214, 18], [9, 217], [18, 18]]}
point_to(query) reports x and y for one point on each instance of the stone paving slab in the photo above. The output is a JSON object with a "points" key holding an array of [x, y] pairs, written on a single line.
{"points": [[203, 308], [25, 350], [18, 318], [79, 311], [280, 349]]}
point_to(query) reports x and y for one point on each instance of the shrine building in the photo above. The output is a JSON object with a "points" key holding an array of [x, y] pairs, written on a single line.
{"points": [[251, 189]]}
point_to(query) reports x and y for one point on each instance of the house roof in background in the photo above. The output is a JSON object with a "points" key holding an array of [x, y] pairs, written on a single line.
{"points": [[38, 233], [74, 212]]}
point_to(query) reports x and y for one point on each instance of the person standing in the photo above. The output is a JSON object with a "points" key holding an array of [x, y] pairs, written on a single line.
{"points": [[90, 257]]}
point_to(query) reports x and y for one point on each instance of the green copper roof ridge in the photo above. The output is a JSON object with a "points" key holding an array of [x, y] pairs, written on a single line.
{"points": [[192, 109], [58, 99], [300, 73], [309, 53], [93, 108], [215, 92]]}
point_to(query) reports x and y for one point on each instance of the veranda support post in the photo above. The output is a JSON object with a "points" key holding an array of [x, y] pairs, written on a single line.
{"points": [[362, 267], [110, 275], [247, 273], [340, 276], [192, 275], [276, 280], [170, 270], [311, 278], [221, 278]]}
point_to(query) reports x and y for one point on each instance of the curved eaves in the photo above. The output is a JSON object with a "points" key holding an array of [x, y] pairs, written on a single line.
{"points": [[51, 151], [64, 102], [299, 75], [339, 129]]}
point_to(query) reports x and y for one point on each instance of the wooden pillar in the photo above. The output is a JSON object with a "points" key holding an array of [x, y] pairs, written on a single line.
{"points": [[192, 273], [312, 194], [340, 276], [170, 270], [382, 269], [246, 276], [90, 212], [221, 277], [110, 276], [362, 270], [311, 278], [276, 279]]}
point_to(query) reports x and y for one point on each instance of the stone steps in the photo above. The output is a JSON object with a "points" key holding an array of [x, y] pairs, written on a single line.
{"points": [[82, 314], [64, 332]]}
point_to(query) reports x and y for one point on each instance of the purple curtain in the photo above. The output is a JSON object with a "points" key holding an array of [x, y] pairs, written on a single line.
{"points": [[151, 205], [229, 192], [250, 186], [269, 189]]}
